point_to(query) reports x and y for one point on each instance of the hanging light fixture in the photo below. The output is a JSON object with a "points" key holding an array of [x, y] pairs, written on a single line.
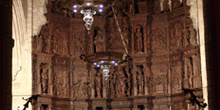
{"points": [[103, 60], [88, 9]]}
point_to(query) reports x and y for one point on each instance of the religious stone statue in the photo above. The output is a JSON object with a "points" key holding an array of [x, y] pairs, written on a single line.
{"points": [[44, 78], [121, 86], [39, 46], [140, 81], [98, 42], [166, 5], [189, 72], [48, 44], [65, 45], [139, 38], [126, 36], [98, 81], [192, 33], [176, 38], [175, 4]]}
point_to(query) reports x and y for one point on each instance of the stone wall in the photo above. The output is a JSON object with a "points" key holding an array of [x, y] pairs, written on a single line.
{"points": [[28, 17]]}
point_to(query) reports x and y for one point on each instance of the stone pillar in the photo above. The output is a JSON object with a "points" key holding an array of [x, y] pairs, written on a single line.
{"points": [[92, 82], [134, 79], [37, 106], [104, 91], [71, 77], [38, 91], [145, 38], [185, 83], [135, 107], [132, 39], [196, 71], [50, 85], [145, 107], [145, 80], [49, 107]]}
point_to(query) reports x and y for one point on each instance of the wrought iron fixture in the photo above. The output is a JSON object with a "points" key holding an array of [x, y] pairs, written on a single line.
{"points": [[31, 100], [193, 98], [88, 9]]}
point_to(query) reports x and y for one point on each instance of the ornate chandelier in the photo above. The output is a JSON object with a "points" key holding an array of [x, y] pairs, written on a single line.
{"points": [[88, 10], [102, 60], [105, 60]]}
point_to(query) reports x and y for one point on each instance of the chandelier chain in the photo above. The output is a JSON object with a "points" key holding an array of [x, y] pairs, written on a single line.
{"points": [[119, 29]]}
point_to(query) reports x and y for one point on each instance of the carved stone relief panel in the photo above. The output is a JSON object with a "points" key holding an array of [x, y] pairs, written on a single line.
{"points": [[157, 82], [176, 37], [42, 42], [78, 39], [177, 77], [158, 41], [60, 40], [81, 81], [61, 84]]}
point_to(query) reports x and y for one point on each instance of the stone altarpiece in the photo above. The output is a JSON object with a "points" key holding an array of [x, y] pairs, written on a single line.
{"points": [[161, 41]]}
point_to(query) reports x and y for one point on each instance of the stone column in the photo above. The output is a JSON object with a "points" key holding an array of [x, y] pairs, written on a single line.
{"points": [[145, 107], [49, 107], [145, 80], [50, 85], [134, 79], [132, 39], [104, 91], [145, 38], [71, 77], [135, 107], [37, 106], [185, 83], [92, 82], [38, 91]]}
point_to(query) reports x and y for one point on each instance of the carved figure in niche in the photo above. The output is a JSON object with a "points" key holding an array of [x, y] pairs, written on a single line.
{"points": [[112, 80], [139, 39], [131, 9], [98, 42], [126, 35], [48, 44], [191, 32], [39, 43], [121, 85], [156, 7], [98, 87], [189, 71], [65, 45], [175, 4], [43, 41], [176, 39], [44, 77], [128, 80], [166, 6], [140, 81]]}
